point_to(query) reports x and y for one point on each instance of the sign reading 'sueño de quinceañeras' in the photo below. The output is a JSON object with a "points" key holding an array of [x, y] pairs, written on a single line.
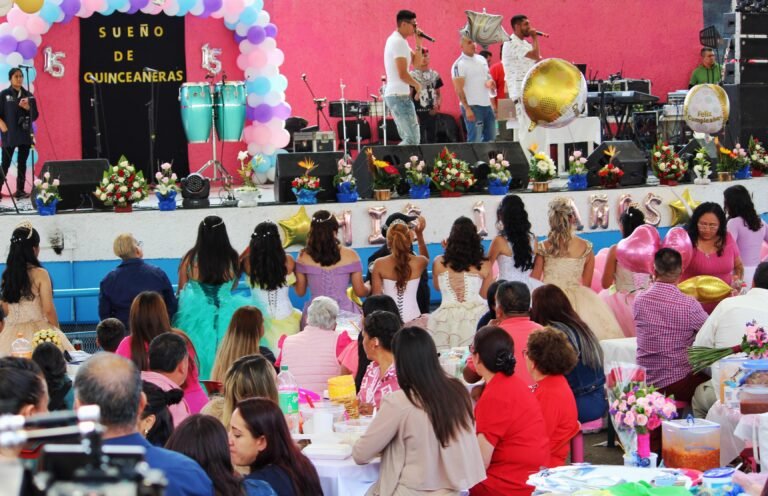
{"points": [[123, 59]]}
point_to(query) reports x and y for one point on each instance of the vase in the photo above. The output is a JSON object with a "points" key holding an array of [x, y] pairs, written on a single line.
{"points": [[167, 202], [306, 196], [577, 182], [743, 173], [540, 186], [497, 187], [46, 210], [382, 194], [757, 173], [124, 209], [667, 182], [419, 191], [248, 197], [724, 176], [642, 457], [346, 193], [450, 194]]}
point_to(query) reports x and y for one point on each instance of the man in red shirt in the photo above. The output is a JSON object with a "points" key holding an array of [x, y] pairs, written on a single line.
{"points": [[513, 302], [497, 74]]}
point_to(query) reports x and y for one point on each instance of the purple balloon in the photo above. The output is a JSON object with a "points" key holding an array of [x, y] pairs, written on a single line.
{"points": [[239, 38], [256, 34], [210, 6], [270, 30], [137, 5], [263, 113], [27, 49], [8, 44], [70, 7], [281, 111], [250, 113]]}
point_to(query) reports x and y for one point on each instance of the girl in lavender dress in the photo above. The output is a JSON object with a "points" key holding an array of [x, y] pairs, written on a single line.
{"points": [[326, 267], [745, 227]]}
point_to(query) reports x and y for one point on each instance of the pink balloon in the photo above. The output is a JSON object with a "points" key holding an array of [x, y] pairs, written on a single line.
{"points": [[256, 59], [36, 25], [262, 135], [677, 238], [636, 251], [276, 57], [242, 62], [597, 274], [281, 138]]}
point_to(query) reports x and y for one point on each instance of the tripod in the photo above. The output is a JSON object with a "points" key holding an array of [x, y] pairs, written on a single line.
{"points": [[214, 163]]}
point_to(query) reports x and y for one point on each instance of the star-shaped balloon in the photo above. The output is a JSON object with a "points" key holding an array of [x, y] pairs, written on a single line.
{"points": [[295, 228], [683, 208]]}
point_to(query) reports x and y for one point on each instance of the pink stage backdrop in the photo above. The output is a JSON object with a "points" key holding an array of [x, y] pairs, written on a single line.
{"points": [[338, 40]]}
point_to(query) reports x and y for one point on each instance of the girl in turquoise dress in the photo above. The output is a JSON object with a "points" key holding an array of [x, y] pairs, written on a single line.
{"points": [[207, 276]]}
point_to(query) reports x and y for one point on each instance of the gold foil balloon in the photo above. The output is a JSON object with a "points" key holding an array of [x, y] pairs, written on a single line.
{"points": [[683, 208], [706, 108], [295, 228], [706, 289], [353, 297], [30, 6], [554, 93]]}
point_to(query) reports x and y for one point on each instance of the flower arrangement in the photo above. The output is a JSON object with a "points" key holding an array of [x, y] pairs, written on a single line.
{"points": [[542, 168], [46, 191], [385, 176], [344, 175], [451, 175], [305, 181], [121, 185], [415, 172], [46, 336], [730, 160], [701, 166], [642, 409], [577, 164], [666, 164], [758, 156], [610, 174], [754, 343], [499, 170], [246, 170], [167, 181]]}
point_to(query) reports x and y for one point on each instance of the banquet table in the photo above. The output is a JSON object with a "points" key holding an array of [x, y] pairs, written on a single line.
{"points": [[618, 350], [345, 477]]}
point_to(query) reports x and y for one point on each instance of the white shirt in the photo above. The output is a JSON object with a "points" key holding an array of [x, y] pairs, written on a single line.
{"points": [[726, 326], [395, 48], [474, 70], [516, 64]]}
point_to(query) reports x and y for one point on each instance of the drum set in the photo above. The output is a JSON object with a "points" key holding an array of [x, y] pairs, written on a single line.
{"points": [[208, 105]]}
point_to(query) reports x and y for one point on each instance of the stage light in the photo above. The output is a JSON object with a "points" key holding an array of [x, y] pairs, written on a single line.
{"points": [[195, 190]]}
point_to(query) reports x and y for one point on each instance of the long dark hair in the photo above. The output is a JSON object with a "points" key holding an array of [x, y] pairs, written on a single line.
{"points": [[399, 241], [693, 224], [631, 219], [371, 304], [464, 248], [148, 319], [738, 203], [322, 243], [16, 283], [266, 259], [516, 229], [158, 402], [51, 361], [427, 386], [550, 306], [496, 350], [204, 439], [264, 418], [213, 254]]}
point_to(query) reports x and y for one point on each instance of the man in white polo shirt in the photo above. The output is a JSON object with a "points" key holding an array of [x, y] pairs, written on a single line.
{"points": [[473, 85], [397, 94], [517, 57]]}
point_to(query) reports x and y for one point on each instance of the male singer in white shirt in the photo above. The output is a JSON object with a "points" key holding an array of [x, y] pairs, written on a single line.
{"points": [[397, 93], [517, 57], [473, 84]]}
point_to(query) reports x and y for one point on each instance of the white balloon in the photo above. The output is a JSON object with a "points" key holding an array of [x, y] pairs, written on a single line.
{"points": [[246, 46], [171, 8], [274, 97], [197, 9], [706, 108], [5, 28], [2, 58], [14, 59], [268, 44], [263, 18], [254, 149], [254, 100], [19, 32], [218, 14], [251, 72], [232, 18], [269, 71]]}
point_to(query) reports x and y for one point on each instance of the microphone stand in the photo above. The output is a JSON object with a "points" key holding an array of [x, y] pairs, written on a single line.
{"points": [[151, 121], [319, 104], [384, 108], [343, 115], [95, 104]]}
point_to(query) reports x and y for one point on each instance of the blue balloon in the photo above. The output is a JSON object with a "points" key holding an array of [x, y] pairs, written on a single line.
{"points": [[259, 86], [32, 74], [279, 83], [5, 68], [116, 4], [50, 12], [249, 16], [258, 5], [230, 25], [264, 166], [32, 158], [185, 6]]}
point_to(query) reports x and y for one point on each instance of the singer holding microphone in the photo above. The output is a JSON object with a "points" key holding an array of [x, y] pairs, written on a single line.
{"points": [[397, 93], [17, 112], [518, 56]]}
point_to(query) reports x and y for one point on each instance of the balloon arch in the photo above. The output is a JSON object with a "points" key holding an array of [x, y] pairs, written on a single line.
{"points": [[28, 20]]}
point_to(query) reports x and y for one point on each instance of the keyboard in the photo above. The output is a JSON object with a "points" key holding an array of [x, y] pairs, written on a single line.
{"points": [[625, 97]]}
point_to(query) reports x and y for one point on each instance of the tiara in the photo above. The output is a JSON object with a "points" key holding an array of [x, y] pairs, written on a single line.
{"points": [[23, 225], [267, 234], [220, 223], [396, 222], [319, 220]]}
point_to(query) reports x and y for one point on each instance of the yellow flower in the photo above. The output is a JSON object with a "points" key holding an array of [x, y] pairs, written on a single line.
{"points": [[540, 156], [611, 151], [725, 151], [380, 164], [307, 163], [533, 148]]}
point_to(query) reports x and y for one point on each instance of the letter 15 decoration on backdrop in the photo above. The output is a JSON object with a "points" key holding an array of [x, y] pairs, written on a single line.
{"points": [[21, 37]]}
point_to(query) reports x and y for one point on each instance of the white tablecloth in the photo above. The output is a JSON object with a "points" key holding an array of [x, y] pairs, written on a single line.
{"points": [[581, 129], [618, 350], [345, 477]]}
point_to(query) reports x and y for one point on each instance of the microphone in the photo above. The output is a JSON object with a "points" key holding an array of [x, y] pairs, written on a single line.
{"points": [[375, 97], [545, 35], [91, 79], [424, 35], [149, 69], [26, 66], [383, 78], [87, 413], [303, 77]]}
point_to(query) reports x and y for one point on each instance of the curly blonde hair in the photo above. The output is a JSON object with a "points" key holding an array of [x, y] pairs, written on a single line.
{"points": [[560, 217]]}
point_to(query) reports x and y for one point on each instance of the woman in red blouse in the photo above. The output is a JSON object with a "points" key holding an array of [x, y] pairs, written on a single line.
{"points": [[510, 425], [549, 356]]}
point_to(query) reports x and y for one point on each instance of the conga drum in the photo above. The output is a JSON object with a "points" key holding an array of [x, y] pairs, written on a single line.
{"points": [[229, 104], [195, 100]]}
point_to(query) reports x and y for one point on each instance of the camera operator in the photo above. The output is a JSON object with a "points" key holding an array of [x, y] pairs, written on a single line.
{"points": [[17, 112]]}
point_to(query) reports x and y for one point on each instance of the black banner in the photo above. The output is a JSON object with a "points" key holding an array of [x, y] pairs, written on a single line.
{"points": [[128, 57]]}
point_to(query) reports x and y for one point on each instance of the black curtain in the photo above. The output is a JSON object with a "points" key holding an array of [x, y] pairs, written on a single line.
{"points": [[130, 56]]}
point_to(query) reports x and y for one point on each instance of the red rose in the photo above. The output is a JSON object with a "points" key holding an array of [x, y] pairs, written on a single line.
{"points": [[391, 170], [121, 173]]}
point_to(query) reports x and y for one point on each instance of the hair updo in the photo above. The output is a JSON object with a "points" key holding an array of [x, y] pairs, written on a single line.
{"points": [[496, 350]]}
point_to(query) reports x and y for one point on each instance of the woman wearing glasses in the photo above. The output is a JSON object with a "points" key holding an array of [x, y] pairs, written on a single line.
{"points": [[715, 253]]}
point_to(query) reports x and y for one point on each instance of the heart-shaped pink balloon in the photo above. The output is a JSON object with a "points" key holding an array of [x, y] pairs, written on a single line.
{"points": [[677, 238], [636, 251]]}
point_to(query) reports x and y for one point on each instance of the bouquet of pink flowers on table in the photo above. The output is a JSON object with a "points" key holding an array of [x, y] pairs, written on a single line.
{"points": [[754, 344], [642, 409]]}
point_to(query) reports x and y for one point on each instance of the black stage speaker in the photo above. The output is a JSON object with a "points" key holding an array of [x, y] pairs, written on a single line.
{"points": [[396, 155], [288, 169], [78, 180], [392, 134], [688, 153], [512, 151], [749, 106], [630, 158]]}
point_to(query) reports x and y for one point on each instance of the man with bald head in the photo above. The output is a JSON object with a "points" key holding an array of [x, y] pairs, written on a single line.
{"points": [[114, 384]]}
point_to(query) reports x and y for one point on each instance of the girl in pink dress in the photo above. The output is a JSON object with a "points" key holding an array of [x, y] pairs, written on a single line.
{"points": [[619, 283], [745, 227], [715, 252]]}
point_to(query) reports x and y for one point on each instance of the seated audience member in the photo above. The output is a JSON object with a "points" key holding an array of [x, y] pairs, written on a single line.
{"points": [[667, 322], [513, 301], [168, 370], [114, 384], [23, 389], [551, 307], [311, 355], [194, 394], [259, 438], [549, 356], [109, 333], [155, 421], [510, 426], [118, 288], [491, 313], [248, 377], [51, 361], [204, 439], [148, 319], [425, 431], [245, 331], [380, 377]]}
